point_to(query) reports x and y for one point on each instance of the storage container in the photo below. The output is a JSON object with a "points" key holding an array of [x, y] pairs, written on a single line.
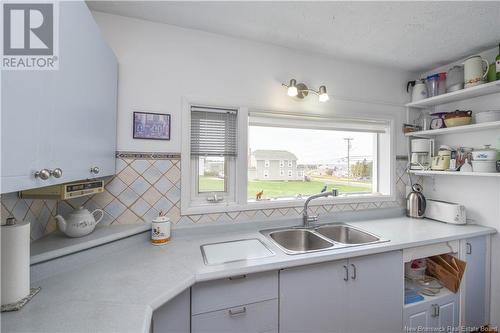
{"points": [[432, 85]]}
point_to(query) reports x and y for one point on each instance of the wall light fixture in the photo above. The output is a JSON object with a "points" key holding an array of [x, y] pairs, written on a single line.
{"points": [[300, 90]]}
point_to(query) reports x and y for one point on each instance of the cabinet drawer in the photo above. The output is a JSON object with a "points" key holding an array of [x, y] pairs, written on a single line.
{"points": [[256, 317], [225, 293]]}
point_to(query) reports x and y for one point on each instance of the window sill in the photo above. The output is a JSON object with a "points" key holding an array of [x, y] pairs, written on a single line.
{"points": [[285, 203]]}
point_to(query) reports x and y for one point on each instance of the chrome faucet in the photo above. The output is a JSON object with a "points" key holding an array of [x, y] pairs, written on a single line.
{"points": [[306, 219]]}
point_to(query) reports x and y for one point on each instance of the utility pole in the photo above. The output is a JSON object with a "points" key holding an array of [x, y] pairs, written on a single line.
{"points": [[348, 158]]}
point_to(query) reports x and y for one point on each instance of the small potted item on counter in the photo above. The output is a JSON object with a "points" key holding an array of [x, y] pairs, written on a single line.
{"points": [[160, 229], [458, 118]]}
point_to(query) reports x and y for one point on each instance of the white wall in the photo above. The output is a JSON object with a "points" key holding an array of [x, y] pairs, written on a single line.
{"points": [[162, 64]]}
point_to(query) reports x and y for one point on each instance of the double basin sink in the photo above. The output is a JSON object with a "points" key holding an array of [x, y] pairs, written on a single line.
{"points": [[319, 238]]}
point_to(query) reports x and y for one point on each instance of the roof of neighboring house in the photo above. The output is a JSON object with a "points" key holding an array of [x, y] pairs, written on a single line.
{"points": [[274, 155]]}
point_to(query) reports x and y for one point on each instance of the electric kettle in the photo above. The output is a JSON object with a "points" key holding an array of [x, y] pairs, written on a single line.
{"points": [[415, 202]]}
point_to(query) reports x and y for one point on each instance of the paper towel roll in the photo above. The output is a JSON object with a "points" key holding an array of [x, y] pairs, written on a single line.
{"points": [[15, 273]]}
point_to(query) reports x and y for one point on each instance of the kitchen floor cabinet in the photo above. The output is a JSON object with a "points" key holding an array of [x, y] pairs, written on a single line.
{"points": [[69, 119], [173, 317], [245, 303], [435, 314], [475, 282], [363, 294]]}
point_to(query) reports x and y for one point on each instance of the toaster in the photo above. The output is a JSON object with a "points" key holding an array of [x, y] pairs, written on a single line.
{"points": [[443, 211]]}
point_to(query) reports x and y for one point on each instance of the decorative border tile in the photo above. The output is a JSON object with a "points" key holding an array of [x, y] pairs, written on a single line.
{"points": [[148, 156]]}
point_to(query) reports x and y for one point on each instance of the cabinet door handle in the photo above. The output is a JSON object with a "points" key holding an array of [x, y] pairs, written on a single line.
{"points": [[239, 277], [353, 276], [43, 174], [469, 248], [57, 173], [237, 311], [95, 170], [346, 277], [435, 310]]}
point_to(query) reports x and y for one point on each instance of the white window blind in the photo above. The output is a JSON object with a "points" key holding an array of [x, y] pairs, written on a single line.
{"points": [[213, 131], [321, 123]]}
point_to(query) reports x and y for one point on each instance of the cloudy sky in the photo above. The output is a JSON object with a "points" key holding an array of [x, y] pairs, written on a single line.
{"points": [[311, 146]]}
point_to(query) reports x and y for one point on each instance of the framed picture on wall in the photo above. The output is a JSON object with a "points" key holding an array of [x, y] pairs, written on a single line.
{"points": [[152, 126]]}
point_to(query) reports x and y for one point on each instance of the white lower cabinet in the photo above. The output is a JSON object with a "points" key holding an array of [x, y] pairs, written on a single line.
{"points": [[363, 294], [256, 317], [175, 316], [245, 303], [475, 282], [434, 314]]}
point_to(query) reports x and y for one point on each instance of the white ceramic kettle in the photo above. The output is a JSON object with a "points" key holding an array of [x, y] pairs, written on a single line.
{"points": [[419, 91], [79, 223]]}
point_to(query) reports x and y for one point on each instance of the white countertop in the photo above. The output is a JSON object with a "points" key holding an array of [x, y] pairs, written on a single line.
{"points": [[119, 291]]}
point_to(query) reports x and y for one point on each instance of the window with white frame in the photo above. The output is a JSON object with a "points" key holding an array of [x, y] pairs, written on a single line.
{"points": [[213, 150], [332, 153], [288, 157]]}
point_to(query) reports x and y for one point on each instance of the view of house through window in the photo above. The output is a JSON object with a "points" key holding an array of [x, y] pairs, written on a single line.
{"points": [[295, 162], [211, 174]]}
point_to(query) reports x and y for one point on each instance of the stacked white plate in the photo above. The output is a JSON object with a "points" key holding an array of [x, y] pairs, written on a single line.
{"points": [[487, 116]]}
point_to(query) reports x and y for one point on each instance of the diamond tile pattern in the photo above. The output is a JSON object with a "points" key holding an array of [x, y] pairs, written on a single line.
{"points": [[144, 186]]}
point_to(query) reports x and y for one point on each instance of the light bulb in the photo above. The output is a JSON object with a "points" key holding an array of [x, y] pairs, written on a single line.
{"points": [[292, 91], [323, 96]]}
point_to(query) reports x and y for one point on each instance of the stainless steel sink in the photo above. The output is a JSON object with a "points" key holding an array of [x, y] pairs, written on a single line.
{"points": [[295, 241], [319, 238], [346, 234]]}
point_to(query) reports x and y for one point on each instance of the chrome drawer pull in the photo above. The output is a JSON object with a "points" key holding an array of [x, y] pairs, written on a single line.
{"points": [[236, 312], [239, 277], [346, 273], [353, 276]]}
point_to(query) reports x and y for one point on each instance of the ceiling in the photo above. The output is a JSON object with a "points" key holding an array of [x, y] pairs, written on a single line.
{"points": [[414, 36]]}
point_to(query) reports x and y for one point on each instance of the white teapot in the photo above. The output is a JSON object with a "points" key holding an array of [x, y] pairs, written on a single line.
{"points": [[79, 223]]}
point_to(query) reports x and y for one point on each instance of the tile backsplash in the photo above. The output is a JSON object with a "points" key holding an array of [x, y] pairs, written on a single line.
{"points": [[146, 183]]}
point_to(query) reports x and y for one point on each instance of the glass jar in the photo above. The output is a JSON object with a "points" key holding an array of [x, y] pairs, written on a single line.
{"points": [[432, 85]]}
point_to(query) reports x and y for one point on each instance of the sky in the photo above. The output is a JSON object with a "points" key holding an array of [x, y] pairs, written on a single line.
{"points": [[311, 146]]}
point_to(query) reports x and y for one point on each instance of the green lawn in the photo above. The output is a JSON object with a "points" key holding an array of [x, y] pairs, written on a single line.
{"points": [[276, 189]]}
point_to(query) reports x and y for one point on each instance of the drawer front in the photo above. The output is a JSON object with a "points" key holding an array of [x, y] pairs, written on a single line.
{"points": [[225, 293], [256, 317]]}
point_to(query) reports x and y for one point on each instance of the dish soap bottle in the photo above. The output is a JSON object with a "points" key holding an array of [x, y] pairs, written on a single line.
{"points": [[497, 63]]}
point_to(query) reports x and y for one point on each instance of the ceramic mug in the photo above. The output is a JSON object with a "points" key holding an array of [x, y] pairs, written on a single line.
{"points": [[474, 71]]}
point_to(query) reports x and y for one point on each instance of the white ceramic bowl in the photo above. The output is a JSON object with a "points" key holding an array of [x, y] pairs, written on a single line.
{"points": [[485, 154], [484, 166], [487, 116]]}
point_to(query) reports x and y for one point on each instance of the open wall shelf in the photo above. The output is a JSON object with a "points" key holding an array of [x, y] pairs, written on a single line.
{"points": [[459, 95], [457, 129], [454, 173]]}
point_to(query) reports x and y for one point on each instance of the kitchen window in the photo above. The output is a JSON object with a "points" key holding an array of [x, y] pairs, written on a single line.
{"points": [[213, 150], [239, 160]]}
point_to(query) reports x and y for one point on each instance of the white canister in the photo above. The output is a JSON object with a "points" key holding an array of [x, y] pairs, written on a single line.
{"points": [[475, 71], [160, 230]]}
